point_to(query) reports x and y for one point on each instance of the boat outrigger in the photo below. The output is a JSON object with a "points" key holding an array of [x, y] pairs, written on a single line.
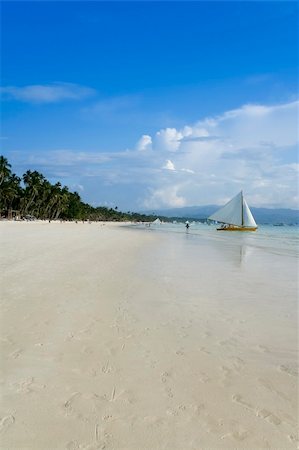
{"points": [[235, 215]]}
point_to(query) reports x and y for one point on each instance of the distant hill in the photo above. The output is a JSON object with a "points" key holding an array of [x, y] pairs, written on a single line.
{"points": [[261, 215]]}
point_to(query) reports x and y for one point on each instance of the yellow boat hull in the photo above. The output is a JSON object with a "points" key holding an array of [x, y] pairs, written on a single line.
{"points": [[237, 229]]}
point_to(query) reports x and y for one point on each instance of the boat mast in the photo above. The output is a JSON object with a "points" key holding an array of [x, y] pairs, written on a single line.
{"points": [[242, 209]]}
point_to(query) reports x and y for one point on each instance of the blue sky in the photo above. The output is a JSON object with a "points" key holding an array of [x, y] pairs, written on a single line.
{"points": [[154, 104]]}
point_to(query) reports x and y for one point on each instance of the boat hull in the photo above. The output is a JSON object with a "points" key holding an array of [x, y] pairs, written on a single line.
{"points": [[237, 229]]}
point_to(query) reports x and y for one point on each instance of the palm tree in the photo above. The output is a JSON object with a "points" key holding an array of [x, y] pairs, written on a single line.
{"points": [[42, 200], [9, 184], [62, 201], [10, 191], [33, 186], [5, 170]]}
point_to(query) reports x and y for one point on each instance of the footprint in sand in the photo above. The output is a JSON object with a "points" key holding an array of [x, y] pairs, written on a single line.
{"points": [[120, 395], [176, 411], [238, 363], [16, 354], [108, 418], [211, 424], [180, 352], [27, 386], [165, 379], [172, 412], [204, 350], [87, 350], [263, 413], [267, 415], [165, 376], [68, 405], [293, 438], [238, 436], [204, 378], [7, 340], [269, 385], [6, 422], [73, 445], [230, 342], [169, 392], [289, 370], [100, 441], [206, 334], [84, 407], [238, 399], [263, 349], [106, 368], [227, 374], [198, 409]]}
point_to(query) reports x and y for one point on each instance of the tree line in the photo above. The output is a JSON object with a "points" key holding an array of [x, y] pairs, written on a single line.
{"points": [[33, 195]]}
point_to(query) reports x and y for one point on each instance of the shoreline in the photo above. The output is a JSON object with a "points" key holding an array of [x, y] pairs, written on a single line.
{"points": [[117, 338]]}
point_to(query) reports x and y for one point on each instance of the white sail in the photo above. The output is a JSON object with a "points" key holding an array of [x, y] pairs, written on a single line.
{"points": [[248, 220], [235, 212], [231, 213]]}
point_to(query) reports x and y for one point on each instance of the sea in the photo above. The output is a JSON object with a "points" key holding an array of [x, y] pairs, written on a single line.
{"points": [[263, 263], [282, 240]]}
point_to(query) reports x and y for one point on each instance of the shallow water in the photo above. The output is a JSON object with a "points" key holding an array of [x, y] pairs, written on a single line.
{"points": [[281, 240]]}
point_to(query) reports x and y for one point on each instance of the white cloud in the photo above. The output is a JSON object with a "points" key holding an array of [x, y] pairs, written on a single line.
{"points": [[169, 165], [51, 93], [144, 143], [168, 139], [253, 124], [187, 170], [77, 187], [247, 148], [113, 104], [69, 158], [164, 197]]}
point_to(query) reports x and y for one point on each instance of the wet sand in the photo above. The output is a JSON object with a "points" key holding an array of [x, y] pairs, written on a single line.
{"points": [[127, 339]]}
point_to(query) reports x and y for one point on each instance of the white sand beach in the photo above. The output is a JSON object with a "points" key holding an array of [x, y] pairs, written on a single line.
{"points": [[129, 339]]}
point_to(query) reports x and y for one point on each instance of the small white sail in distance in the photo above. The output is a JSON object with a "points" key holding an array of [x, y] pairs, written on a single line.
{"points": [[235, 212]]}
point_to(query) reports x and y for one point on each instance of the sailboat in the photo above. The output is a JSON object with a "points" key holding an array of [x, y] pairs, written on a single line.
{"points": [[235, 215]]}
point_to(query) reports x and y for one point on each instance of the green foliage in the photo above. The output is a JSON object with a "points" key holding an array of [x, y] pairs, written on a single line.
{"points": [[43, 200]]}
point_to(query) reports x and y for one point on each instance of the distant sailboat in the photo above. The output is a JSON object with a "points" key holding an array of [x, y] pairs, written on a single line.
{"points": [[235, 215]]}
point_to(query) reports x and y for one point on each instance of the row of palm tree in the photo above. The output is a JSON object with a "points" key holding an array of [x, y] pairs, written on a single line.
{"points": [[33, 195]]}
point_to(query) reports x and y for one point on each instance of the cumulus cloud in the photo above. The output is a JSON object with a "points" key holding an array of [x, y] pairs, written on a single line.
{"points": [[168, 139], [169, 165], [49, 93], [144, 143], [164, 197], [250, 148]]}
